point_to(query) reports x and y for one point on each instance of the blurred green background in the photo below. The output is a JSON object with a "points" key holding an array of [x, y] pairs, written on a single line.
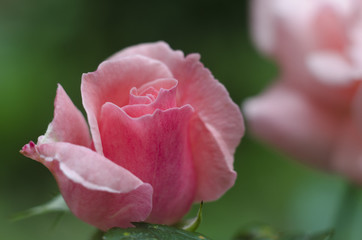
{"points": [[45, 42]]}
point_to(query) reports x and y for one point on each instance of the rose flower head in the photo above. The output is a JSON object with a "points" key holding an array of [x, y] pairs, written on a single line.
{"points": [[314, 110], [163, 133]]}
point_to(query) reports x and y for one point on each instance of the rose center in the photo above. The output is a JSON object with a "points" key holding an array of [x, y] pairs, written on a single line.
{"points": [[145, 96], [159, 94]]}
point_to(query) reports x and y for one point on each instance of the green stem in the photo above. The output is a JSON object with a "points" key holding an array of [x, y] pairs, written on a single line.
{"points": [[349, 222]]}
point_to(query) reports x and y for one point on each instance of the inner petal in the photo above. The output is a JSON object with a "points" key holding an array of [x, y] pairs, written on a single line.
{"points": [[138, 98], [330, 30], [150, 91], [158, 94]]}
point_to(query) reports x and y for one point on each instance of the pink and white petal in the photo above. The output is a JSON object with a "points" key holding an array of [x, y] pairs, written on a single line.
{"points": [[68, 124], [156, 149], [212, 103], [289, 29], [213, 163], [263, 25], [166, 98], [162, 83], [331, 68], [276, 22], [290, 121], [330, 28], [96, 190], [160, 51], [112, 82]]}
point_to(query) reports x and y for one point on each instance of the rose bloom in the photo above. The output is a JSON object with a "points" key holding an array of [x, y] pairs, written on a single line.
{"points": [[163, 133], [314, 110]]}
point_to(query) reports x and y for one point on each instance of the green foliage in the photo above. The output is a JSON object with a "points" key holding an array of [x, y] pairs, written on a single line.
{"points": [[145, 231], [265, 232], [322, 236], [257, 232], [192, 224], [57, 204]]}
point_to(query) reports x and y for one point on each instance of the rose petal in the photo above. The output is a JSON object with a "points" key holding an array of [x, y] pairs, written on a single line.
{"points": [[96, 190], [212, 103], [297, 18], [330, 28], [331, 68], [68, 124], [165, 99], [263, 25], [159, 50], [112, 82], [214, 176], [197, 87], [156, 149], [294, 123], [271, 27]]}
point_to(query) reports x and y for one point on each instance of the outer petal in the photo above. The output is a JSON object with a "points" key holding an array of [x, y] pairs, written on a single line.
{"points": [[263, 25], [222, 123], [112, 82], [331, 68], [196, 86], [159, 50], [68, 124], [96, 190], [156, 149], [294, 123], [214, 176]]}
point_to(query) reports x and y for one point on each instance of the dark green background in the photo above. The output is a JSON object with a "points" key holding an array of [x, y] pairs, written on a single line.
{"points": [[45, 42]]}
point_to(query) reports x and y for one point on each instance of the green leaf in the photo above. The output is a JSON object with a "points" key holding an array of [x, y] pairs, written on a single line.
{"points": [[145, 231], [257, 232], [57, 204], [192, 224]]}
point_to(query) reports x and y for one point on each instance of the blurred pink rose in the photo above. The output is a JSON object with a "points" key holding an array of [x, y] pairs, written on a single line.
{"points": [[314, 110], [163, 136]]}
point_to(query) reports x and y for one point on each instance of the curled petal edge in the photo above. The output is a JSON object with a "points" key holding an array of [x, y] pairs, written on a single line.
{"points": [[95, 189]]}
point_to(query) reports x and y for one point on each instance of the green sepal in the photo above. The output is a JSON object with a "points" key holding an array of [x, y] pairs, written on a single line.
{"points": [[146, 231], [57, 204], [192, 224]]}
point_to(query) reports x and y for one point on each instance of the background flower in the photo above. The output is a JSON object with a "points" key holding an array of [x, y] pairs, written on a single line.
{"points": [[313, 111]]}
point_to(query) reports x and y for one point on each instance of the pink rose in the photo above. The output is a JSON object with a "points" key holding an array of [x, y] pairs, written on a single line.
{"points": [[163, 136], [314, 110]]}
